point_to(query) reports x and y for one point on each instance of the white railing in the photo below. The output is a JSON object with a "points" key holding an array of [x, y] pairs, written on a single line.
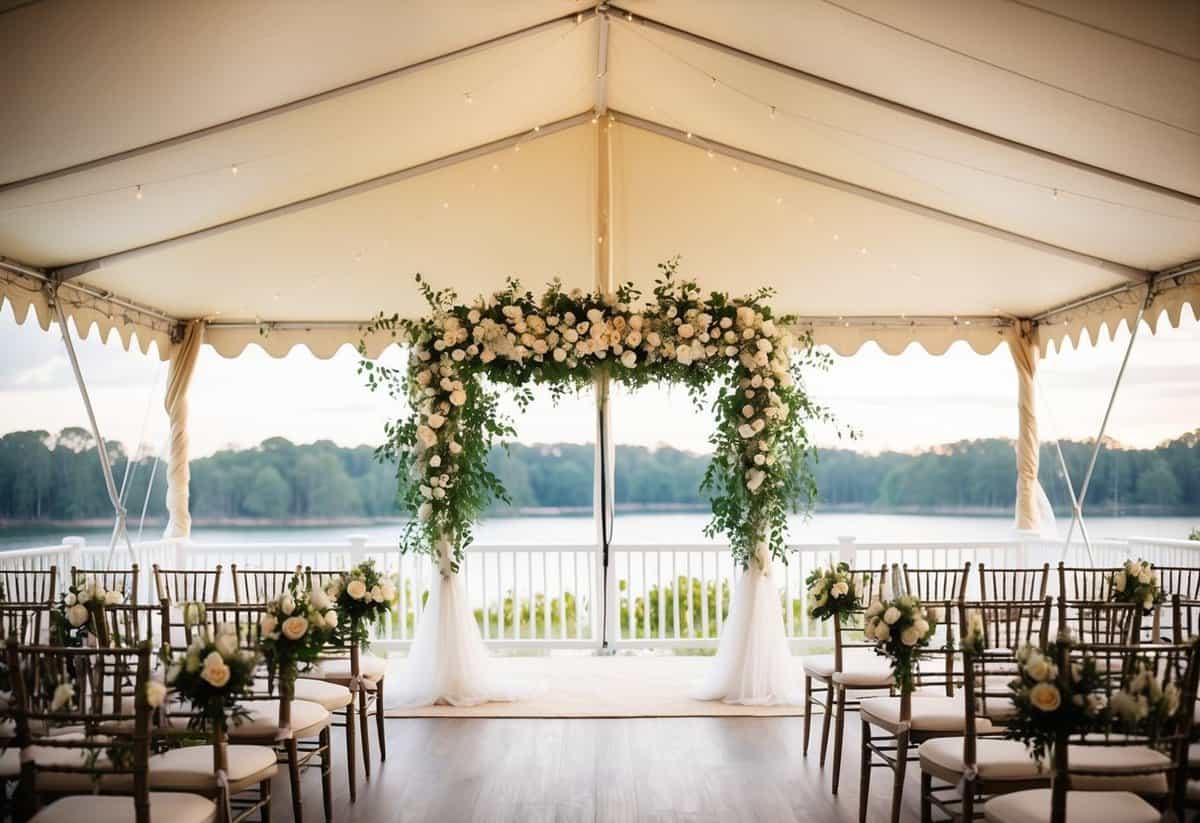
{"points": [[544, 597]]}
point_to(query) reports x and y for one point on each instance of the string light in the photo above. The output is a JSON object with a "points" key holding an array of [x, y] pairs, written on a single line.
{"points": [[735, 168], [579, 18], [495, 167], [837, 237], [714, 81], [467, 98], [863, 250], [1055, 194], [629, 17], [138, 193], [233, 169], [689, 135], [778, 201], [537, 128], [772, 112], [517, 147], [711, 153], [445, 204]]}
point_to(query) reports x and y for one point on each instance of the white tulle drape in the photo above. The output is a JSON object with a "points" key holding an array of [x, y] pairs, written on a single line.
{"points": [[448, 662], [753, 665]]}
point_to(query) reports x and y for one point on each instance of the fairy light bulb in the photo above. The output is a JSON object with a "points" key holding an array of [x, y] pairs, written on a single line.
{"points": [[772, 112], [233, 170], [138, 192], [689, 135], [714, 81], [467, 98]]}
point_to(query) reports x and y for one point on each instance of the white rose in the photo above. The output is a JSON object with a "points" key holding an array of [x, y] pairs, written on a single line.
{"points": [[377, 594], [426, 435], [747, 411], [629, 359], [69, 599], [458, 397], [112, 598], [357, 589], [910, 636], [1119, 581], [215, 672], [331, 619], [226, 644], [882, 631], [64, 693], [286, 604], [425, 511], [436, 421], [891, 615], [268, 624], [295, 627], [389, 592], [156, 692], [754, 479], [77, 615], [746, 431], [435, 460], [686, 330], [455, 448]]}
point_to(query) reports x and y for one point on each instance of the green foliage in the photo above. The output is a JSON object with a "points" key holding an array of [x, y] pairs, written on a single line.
{"points": [[762, 454]]}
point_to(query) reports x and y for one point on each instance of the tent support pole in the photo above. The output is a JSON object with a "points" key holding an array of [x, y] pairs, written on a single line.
{"points": [[119, 530], [1077, 513]]}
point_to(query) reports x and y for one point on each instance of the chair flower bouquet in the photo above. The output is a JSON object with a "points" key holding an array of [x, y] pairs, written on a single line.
{"points": [[361, 596], [832, 592], [900, 627], [1137, 582], [1144, 705], [294, 630], [76, 615], [1048, 701], [212, 674]]}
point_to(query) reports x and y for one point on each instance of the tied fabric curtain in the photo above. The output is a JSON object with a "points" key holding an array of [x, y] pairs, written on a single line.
{"points": [[1023, 345], [183, 363]]}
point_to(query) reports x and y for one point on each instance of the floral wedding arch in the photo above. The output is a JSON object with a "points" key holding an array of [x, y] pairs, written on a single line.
{"points": [[761, 466]]}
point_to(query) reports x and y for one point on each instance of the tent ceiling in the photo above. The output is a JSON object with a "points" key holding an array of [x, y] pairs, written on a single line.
{"points": [[921, 204]]}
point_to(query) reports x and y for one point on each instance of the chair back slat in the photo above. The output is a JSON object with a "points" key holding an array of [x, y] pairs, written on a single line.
{"points": [[1085, 583], [848, 632], [261, 585], [29, 585], [28, 623], [930, 585], [1092, 621], [124, 581], [188, 585], [1013, 584]]}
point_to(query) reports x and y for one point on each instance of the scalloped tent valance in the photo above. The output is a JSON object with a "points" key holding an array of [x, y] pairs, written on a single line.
{"points": [[768, 144]]}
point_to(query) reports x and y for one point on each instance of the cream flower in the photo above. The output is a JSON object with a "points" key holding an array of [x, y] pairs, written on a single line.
{"points": [[77, 615], [295, 627], [910, 636], [357, 589], [1045, 697], [64, 693], [112, 598], [891, 615], [215, 672], [754, 479], [268, 624], [436, 421], [226, 644], [286, 604], [156, 692], [629, 359], [331, 619], [426, 435], [458, 397]]}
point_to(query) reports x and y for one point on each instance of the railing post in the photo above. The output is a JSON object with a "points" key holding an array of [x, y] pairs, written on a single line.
{"points": [[358, 548], [847, 550], [73, 547]]}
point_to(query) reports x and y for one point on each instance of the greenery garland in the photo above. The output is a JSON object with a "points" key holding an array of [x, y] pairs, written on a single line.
{"points": [[762, 448]]}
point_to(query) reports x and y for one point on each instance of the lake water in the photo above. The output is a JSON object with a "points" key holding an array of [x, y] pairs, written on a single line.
{"points": [[653, 528]]}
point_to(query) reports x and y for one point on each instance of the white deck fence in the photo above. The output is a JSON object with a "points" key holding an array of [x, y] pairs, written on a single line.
{"points": [[549, 597]]}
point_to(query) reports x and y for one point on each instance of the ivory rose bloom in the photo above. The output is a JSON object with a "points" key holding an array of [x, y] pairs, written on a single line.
{"points": [[910, 636], [426, 435], [357, 589], [77, 615], [295, 627], [268, 624], [156, 692], [458, 397], [64, 693], [226, 644], [891, 615], [1045, 697], [215, 672]]}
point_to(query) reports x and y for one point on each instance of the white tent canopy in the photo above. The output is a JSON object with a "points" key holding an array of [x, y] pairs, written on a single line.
{"points": [[898, 171]]}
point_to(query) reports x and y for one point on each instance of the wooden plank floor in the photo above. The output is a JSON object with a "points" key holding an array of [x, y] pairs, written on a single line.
{"points": [[644, 770]]}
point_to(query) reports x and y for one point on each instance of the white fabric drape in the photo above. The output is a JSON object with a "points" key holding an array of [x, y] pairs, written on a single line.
{"points": [[1023, 345], [448, 662], [183, 363], [753, 666]]}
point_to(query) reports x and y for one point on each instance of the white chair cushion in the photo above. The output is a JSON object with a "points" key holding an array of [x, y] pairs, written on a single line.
{"points": [[332, 696], [1194, 755], [1118, 759], [820, 665], [369, 666], [864, 673], [191, 768], [994, 759], [1033, 806], [929, 713], [170, 807], [263, 722]]}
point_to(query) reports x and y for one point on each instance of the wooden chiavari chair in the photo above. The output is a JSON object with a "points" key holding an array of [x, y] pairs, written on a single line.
{"points": [[29, 585], [29, 623], [939, 587], [1116, 770], [1090, 621], [1181, 581], [363, 674], [124, 581], [177, 590], [1013, 584], [853, 667], [982, 763], [1185, 628], [299, 730], [910, 719], [1076, 583], [260, 585], [107, 752]]}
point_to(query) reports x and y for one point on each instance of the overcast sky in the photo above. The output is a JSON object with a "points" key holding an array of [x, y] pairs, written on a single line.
{"points": [[906, 402]]}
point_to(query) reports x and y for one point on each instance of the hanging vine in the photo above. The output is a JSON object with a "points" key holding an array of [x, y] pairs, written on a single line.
{"points": [[762, 448]]}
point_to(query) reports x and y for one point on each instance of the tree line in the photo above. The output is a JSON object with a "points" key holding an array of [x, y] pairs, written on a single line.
{"points": [[57, 477]]}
